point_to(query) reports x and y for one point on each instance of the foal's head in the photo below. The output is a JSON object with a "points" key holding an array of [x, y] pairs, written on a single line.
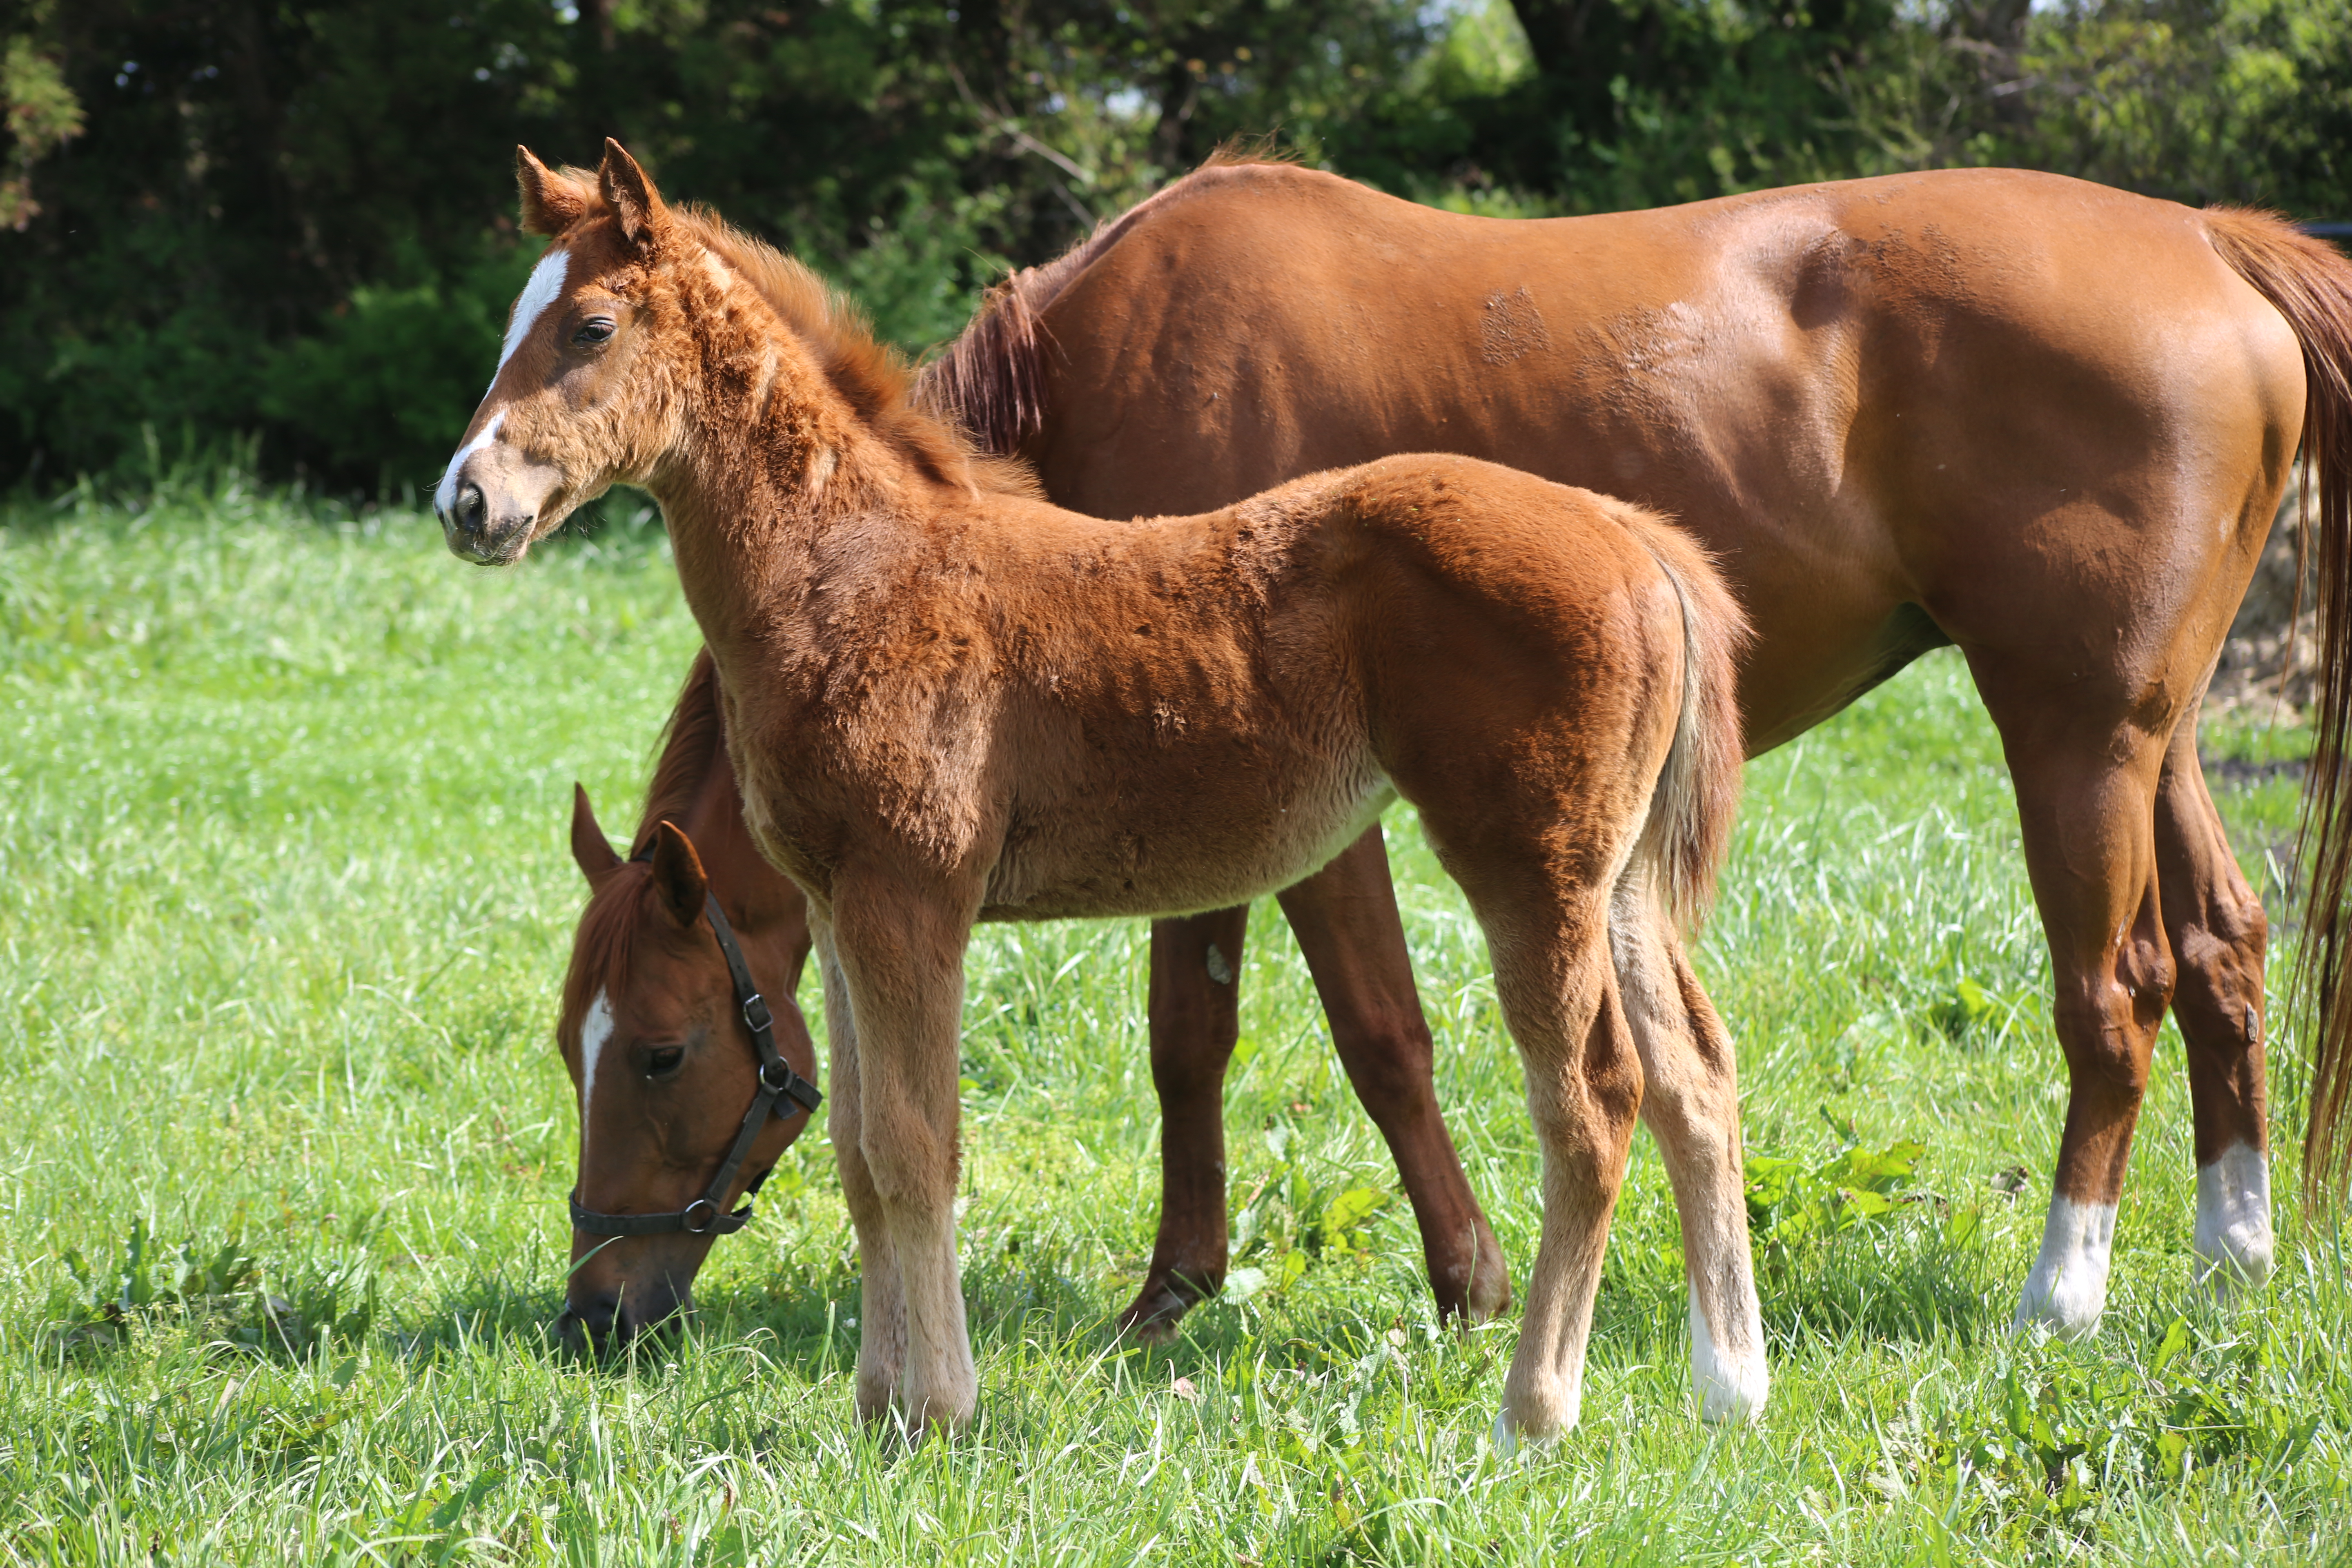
{"points": [[655, 1042], [643, 324]]}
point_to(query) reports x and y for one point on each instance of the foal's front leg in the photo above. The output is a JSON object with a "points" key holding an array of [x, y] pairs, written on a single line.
{"points": [[900, 954], [882, 1305]]}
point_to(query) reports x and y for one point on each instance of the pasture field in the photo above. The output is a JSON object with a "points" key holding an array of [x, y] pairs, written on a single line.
{"points": [[284, 904]]}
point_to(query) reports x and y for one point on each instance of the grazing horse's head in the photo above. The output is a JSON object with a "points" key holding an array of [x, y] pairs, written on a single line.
{"points": [[657, 1048], [581, 398]]}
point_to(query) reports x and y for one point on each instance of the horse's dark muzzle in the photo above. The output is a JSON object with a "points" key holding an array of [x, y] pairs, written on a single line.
{"points": [[605, 1324]]}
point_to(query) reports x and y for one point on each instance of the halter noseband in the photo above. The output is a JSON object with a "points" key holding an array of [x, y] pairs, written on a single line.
{"points": [[777, 1081]]}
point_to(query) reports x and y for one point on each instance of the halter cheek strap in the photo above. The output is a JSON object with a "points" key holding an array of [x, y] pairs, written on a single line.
{"points": [[778, 1083]]}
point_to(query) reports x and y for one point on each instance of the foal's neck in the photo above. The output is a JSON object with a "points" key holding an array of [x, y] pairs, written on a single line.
{"points": [[772, 459]]}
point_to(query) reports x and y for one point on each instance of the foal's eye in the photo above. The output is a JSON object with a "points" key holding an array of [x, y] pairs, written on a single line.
{"points": [[593, 331], [664, 1062]]}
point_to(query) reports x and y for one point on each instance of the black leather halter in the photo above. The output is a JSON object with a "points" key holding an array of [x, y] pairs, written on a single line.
{"points": [[778, 1082]]}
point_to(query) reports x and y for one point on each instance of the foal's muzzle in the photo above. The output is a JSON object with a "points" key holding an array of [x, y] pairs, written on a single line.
{"points": [[473, 534]]}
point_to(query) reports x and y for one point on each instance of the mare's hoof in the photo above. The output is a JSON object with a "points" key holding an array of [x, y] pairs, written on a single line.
{"points": [[1153, 1317], [2235, 1247]]}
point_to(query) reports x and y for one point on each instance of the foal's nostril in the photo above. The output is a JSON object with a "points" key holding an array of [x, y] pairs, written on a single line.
{"points": [[472, 510]]}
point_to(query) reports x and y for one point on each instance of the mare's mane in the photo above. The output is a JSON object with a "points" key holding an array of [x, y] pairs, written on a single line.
{"points": [[693, 741], [991, 379]]}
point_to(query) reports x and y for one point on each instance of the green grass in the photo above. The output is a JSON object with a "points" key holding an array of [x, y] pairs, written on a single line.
{"points": [[283, 907]]}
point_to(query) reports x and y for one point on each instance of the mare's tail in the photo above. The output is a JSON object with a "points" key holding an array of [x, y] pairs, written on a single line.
{"points": [[1689, 829], [2309, 283]]}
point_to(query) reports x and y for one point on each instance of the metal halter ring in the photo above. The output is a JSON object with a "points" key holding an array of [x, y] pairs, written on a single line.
{"points": [[710, 1216]]}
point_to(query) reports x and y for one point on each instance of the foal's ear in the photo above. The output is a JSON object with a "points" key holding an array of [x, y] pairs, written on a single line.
{"points": [[678, 873], [550, 204], [591, 850], [631, 195]]}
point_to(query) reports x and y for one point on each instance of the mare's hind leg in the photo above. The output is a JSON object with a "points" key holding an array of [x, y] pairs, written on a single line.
{"points": [[882, 1303], [1690, 1103], [1345, 918], [2218, 934], [1195, 1020], [1553, 977], [2086, 786]]}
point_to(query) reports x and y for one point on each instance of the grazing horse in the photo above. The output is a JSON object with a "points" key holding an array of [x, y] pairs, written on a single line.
{"points": [[650, 1000], [947, 702], [2044, 420], [651, 1018]]}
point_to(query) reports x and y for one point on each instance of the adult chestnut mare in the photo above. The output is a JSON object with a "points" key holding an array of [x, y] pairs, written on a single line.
{"points": [[947, 702], [2044, 420]]}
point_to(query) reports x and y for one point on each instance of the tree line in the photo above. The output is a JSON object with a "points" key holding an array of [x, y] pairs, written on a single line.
{"points": [[230, 219]]}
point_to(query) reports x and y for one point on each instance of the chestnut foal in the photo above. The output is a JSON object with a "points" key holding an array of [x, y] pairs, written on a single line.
{"points": [[650, 1002], [948, 704]]}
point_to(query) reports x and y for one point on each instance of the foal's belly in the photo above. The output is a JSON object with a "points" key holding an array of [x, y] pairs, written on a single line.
{"points": [[1172, 853]]}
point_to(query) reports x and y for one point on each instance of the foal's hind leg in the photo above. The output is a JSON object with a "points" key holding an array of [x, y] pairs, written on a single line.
{"points": [[2218, 935], [882, 1303], [1345, 918], [1690, 1102], [1584, 1088]]}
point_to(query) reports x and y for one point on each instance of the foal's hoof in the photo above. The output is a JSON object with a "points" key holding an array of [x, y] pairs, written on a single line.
{"points": [[1731, 1388], [1510, 1443]]}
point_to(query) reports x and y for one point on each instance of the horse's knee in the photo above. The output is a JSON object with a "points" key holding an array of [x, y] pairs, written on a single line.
{"points": [[2107, 1021], [907, 1160]]}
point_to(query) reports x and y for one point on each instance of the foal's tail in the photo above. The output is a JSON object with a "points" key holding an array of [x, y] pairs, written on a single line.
{"points": [[1689, 829], [2309, 283]]}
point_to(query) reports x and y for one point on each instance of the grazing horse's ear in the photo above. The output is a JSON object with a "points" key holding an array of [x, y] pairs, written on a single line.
{"points": [[678, 873], [591, 850], [631, 195], [550, 204]]}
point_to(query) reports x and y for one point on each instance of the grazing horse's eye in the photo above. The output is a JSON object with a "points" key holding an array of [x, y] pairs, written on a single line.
{"points": [[664, 1062], [594, 330]]}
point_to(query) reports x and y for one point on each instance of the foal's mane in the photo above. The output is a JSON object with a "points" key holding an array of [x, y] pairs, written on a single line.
{"points": [[693, 742], [991, 379]]}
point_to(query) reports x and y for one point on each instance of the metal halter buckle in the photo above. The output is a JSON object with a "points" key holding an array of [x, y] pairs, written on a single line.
{"points": [[756, 1014]]}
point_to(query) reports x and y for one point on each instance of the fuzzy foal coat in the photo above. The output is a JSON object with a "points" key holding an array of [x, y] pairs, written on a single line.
{"points": [[949, 702]]}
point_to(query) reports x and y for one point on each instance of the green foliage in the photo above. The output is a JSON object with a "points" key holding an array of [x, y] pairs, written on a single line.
{"points": [[1794, 1204], [298, 222], [42, 114], [396, 370], [145, 1277], [1294, 1218]]}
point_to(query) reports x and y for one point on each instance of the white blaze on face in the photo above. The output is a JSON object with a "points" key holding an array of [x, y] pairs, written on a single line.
{"points": [[545, 286], [2068, 1288], [546, 283], [2233, 1217], [445, 495], [595, 1032]]}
